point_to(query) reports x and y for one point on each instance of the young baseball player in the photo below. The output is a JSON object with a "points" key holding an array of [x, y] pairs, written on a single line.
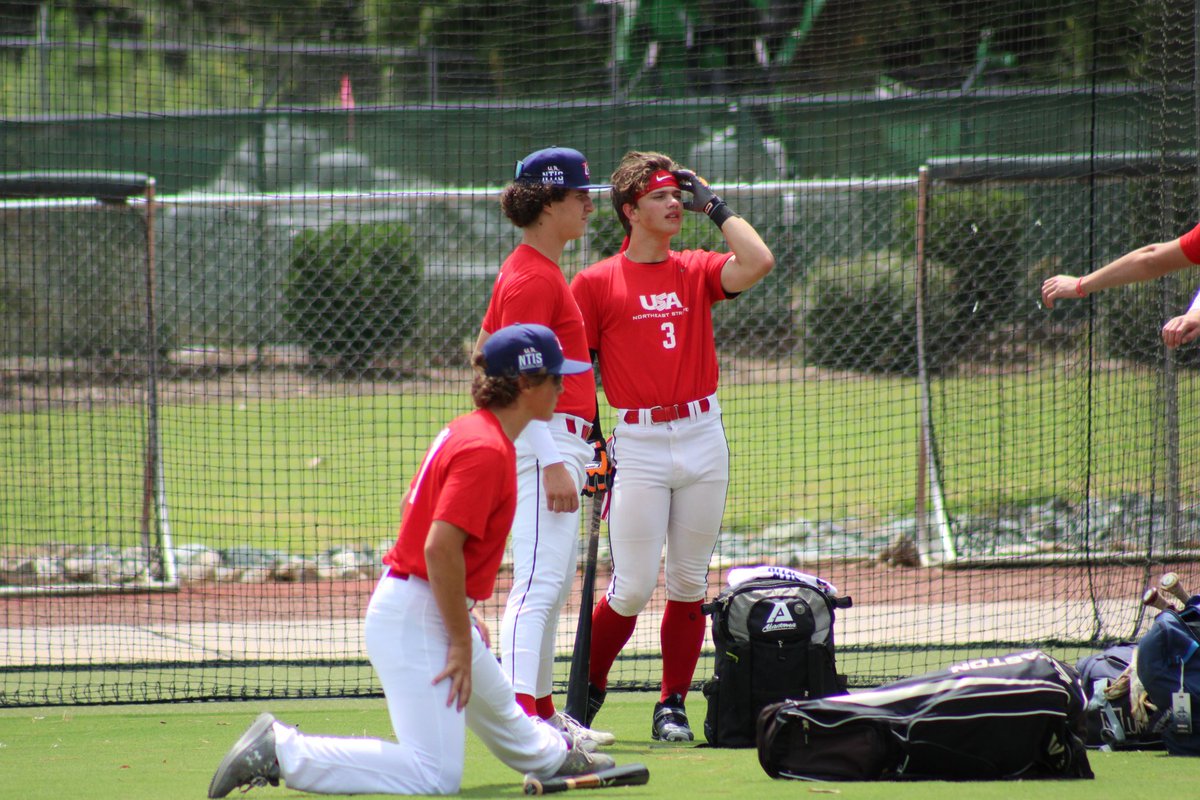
{"points": [[549, 201], [647, 313], [431, 655], [1144, 264]]}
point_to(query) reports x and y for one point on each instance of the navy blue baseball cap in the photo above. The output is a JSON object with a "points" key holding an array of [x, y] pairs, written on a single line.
{"points": [[556, 166], [527, 349]]}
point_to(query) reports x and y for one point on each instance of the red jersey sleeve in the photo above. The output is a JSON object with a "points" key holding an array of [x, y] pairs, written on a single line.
{"points": [[1190, 242], [471, 490], [521, 298], [714, 265]]}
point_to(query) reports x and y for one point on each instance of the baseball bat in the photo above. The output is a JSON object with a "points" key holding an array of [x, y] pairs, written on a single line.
{"points": [[1152, 597], [577, 682], [624, 775], [1170, 583]]}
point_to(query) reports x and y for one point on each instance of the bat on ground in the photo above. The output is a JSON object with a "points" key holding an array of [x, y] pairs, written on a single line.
{"points": [[624, 775], [577, 682], [1170, 583], [1152, 597]]}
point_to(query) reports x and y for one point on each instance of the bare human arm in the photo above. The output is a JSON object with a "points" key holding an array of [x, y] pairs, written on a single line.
{"points": [[752, 259], [448, 580], [1143, 264]]}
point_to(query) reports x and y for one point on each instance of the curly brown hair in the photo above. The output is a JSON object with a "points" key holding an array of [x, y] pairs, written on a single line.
{"points": [[501, 391], [523, 202], [632, 176]]}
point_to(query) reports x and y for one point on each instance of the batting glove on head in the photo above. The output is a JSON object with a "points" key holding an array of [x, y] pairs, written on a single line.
{"points": [[703, 200], [600, 471]]}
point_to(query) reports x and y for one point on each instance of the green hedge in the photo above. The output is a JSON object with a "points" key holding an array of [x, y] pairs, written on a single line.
{"points": [[352, 289], [861, 314]]}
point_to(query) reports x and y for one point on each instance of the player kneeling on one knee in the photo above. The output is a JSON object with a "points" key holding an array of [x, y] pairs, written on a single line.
{"points": [[431, 653]]}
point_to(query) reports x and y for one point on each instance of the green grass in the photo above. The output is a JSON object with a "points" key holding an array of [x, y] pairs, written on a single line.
{"points": [[250, 681], [156, 751], [302, 475]]}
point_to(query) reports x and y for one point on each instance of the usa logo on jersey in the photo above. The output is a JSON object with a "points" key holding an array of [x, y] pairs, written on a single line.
{"points": [[660, 302]]}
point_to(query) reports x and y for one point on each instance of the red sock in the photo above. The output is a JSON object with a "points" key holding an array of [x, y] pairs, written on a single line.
{"points": [[545, 706], [527, 704], [681, 637], [610, 632]]}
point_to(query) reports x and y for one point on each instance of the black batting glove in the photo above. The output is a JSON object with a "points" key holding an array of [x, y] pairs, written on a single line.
{"points": [[703, 200], [600, 471]]}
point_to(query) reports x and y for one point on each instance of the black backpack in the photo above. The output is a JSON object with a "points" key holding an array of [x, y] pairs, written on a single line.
{"points": [[773, 633], [1014, 717]]}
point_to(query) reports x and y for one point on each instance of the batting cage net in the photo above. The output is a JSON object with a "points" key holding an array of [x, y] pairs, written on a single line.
{"points": [[218, 376]]}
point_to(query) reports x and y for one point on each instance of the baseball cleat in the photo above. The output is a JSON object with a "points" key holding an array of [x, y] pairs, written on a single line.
{"points": [[250, 762], [565, 722], [582, 762], [670, 721]]}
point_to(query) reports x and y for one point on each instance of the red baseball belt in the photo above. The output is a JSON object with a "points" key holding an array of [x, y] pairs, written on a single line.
{"points": [[660, 414]]}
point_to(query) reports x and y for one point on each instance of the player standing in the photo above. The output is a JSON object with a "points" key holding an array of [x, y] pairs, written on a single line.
{"points": [[1143, 264], [648, 316], [429, 651], [549, 201]]}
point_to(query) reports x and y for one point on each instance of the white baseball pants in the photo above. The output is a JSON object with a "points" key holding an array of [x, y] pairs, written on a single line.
{"points": [[407, 644], [545, 546], [669, 491]]}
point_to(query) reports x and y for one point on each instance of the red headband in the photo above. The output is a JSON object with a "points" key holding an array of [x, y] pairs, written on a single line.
{"points": [[659, 180]]}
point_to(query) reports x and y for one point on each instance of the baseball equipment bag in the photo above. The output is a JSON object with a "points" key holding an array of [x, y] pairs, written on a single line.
{"points": [[1118, 712], [1016, 716], [1168, 665], [773, 631]]}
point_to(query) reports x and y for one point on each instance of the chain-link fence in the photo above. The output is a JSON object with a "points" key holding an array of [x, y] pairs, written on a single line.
{"points": [[228, 404], [309, 346]]}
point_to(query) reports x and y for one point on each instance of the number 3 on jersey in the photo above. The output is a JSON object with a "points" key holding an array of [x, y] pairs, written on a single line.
{"points": [[668, 329]]}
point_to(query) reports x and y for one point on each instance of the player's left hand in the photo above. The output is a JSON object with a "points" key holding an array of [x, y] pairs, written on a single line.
{"points": [[1181, 330], [457, 673], [600, 471], [561, 495], [703, 200], [1058, 288]]}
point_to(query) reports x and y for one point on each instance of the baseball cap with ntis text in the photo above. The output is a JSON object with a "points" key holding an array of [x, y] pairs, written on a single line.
{"points": [[556, 166], [527, 349]]}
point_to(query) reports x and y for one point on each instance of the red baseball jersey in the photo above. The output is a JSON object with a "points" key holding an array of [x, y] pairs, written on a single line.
{"points": [[1190, 242], [652, 325], [531, 288], [469, 479]]}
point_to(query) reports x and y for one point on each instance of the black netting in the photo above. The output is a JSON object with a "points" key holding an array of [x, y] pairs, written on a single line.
{"points": [[198, 482]]}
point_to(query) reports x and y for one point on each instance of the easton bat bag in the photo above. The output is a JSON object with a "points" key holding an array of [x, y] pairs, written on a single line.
{"points": [[1014, 717], [773, 631]]}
